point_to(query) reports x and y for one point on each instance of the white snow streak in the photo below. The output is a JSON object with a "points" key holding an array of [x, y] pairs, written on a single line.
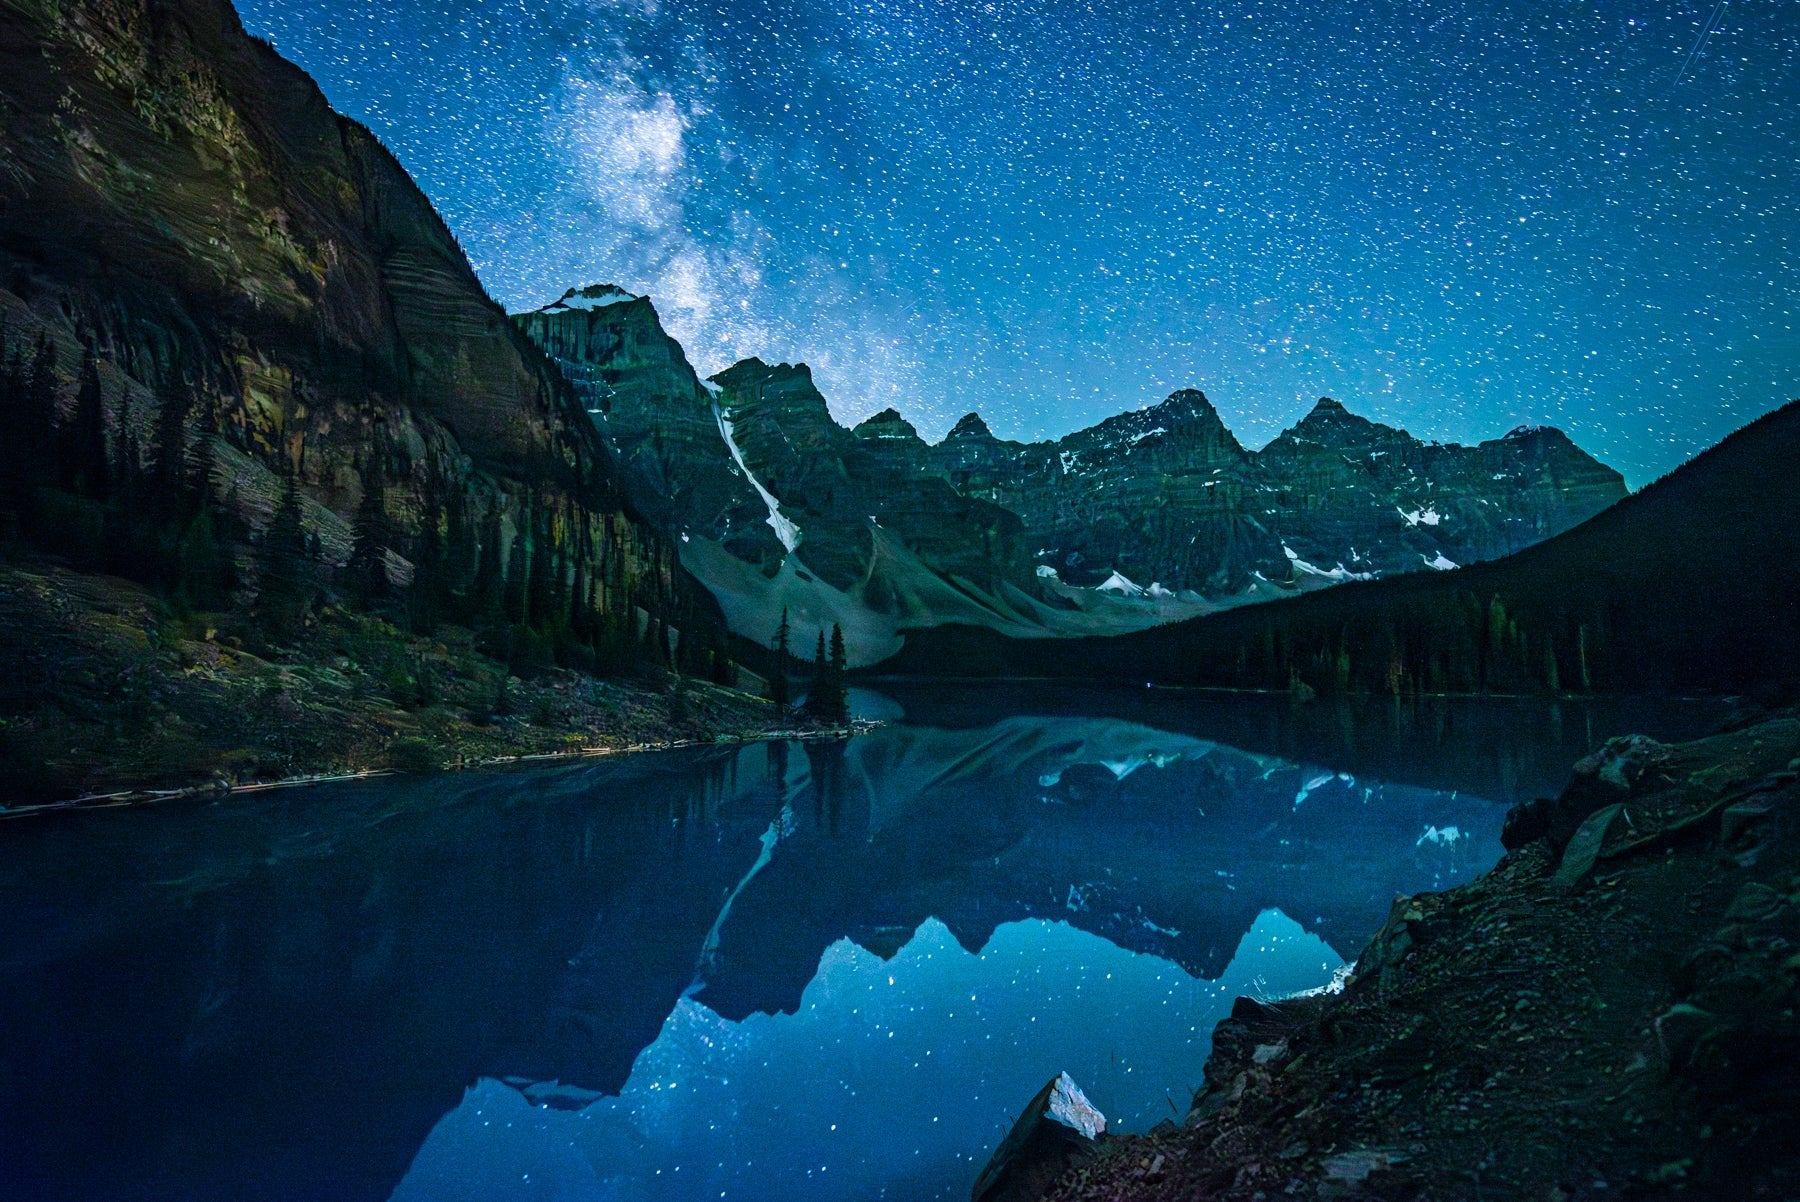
{"points": [[784, 528]]}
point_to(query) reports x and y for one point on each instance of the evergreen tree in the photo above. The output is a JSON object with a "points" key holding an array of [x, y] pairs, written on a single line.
{"points": [[286, 569], [839, 695], [83, 448], [38, 415], [173, 487], [487, 592], [461, 551], [130, 544], [541, 586], [370, 539], [778, 679], [205, 458], [581, 611], [513, 595], [430, 591], [819, 695], [205, 573], [13, 423]]}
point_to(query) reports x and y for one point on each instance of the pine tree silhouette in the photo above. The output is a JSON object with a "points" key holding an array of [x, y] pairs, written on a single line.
{"points": [[778, 679], [84, 437]]}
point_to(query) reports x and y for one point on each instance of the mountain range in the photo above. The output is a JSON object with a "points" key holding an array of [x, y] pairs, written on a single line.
{"points": [[1148, 517], [1688, 584]]}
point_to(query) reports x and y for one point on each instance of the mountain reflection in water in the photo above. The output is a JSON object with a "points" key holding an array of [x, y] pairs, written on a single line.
{"points": [[582, 981]]}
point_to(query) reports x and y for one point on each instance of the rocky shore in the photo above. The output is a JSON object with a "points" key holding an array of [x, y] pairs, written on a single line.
{"points": [[1610, 1013], [109, 694]]}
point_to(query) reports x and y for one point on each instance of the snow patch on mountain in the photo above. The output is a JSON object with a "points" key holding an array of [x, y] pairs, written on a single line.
{"points": [[1337, 574], [1420, 517], [1441, 563], [1117, 583], [784, 527], [589, 299]]}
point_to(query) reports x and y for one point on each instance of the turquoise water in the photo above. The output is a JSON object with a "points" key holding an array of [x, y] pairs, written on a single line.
{"points": [[797, 971]]}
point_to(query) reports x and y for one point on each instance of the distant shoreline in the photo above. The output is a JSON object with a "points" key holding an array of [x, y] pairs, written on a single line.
{"points": [[139, 797]]}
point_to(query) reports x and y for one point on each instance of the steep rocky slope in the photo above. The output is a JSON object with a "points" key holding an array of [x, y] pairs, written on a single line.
{"points": [[246, 362], [181, 202], [778, 508], [1149, 517]]}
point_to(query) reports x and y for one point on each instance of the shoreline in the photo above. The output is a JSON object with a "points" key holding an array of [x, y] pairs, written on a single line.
{"points": [[111, 698], [141, 797]]}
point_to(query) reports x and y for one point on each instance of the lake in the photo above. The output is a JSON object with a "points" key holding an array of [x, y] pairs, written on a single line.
{"points": [[820, 970]]}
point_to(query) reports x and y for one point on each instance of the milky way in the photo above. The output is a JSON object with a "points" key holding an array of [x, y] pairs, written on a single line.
{"points": [[1453, 217]]}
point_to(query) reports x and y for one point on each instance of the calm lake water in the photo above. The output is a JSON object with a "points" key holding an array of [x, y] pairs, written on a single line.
{"points": [[797, 971]]}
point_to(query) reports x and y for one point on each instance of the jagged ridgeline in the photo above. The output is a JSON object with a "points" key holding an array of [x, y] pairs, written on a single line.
{"points": [[246, 361], [1149, 517], [1688, 584]]}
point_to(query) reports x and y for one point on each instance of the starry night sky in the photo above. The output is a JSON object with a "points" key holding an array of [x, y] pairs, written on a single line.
{"points": [[1455, 217]]}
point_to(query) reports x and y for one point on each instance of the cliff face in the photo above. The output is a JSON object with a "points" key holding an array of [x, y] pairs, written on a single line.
{"points": [[181, 203], [1341, 482], [848, 485], [777, 507], [657, 417], [1159, 495]]}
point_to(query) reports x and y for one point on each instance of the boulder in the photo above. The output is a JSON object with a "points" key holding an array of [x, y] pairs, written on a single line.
{"points": [[1057, 1130]]}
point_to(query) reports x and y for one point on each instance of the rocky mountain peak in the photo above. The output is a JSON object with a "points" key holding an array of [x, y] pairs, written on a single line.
{"points": [[1329, 424], [885, 514], [1329, 413], [886, 424], [759, 371], [1189, 403], [594, 296], [970, 425], [1548, 435]]}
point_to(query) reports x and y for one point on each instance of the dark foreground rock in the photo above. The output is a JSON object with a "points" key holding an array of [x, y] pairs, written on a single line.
{"points": [[1059, 1129], [1610, 1013]]}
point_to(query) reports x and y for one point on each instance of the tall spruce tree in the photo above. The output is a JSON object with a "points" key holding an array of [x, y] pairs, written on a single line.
{"points": [[513, 601], [171, 482], [371, 538], [83, 450], [778, 679], [840, 697], [286, 570], [818, 697], [430, 593]]}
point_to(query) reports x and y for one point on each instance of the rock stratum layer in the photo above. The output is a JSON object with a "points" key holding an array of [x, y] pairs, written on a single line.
{"points": [[1148, 517]]}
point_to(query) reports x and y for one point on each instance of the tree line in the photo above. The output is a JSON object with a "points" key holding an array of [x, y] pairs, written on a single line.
{"points": [[540, 585]]}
